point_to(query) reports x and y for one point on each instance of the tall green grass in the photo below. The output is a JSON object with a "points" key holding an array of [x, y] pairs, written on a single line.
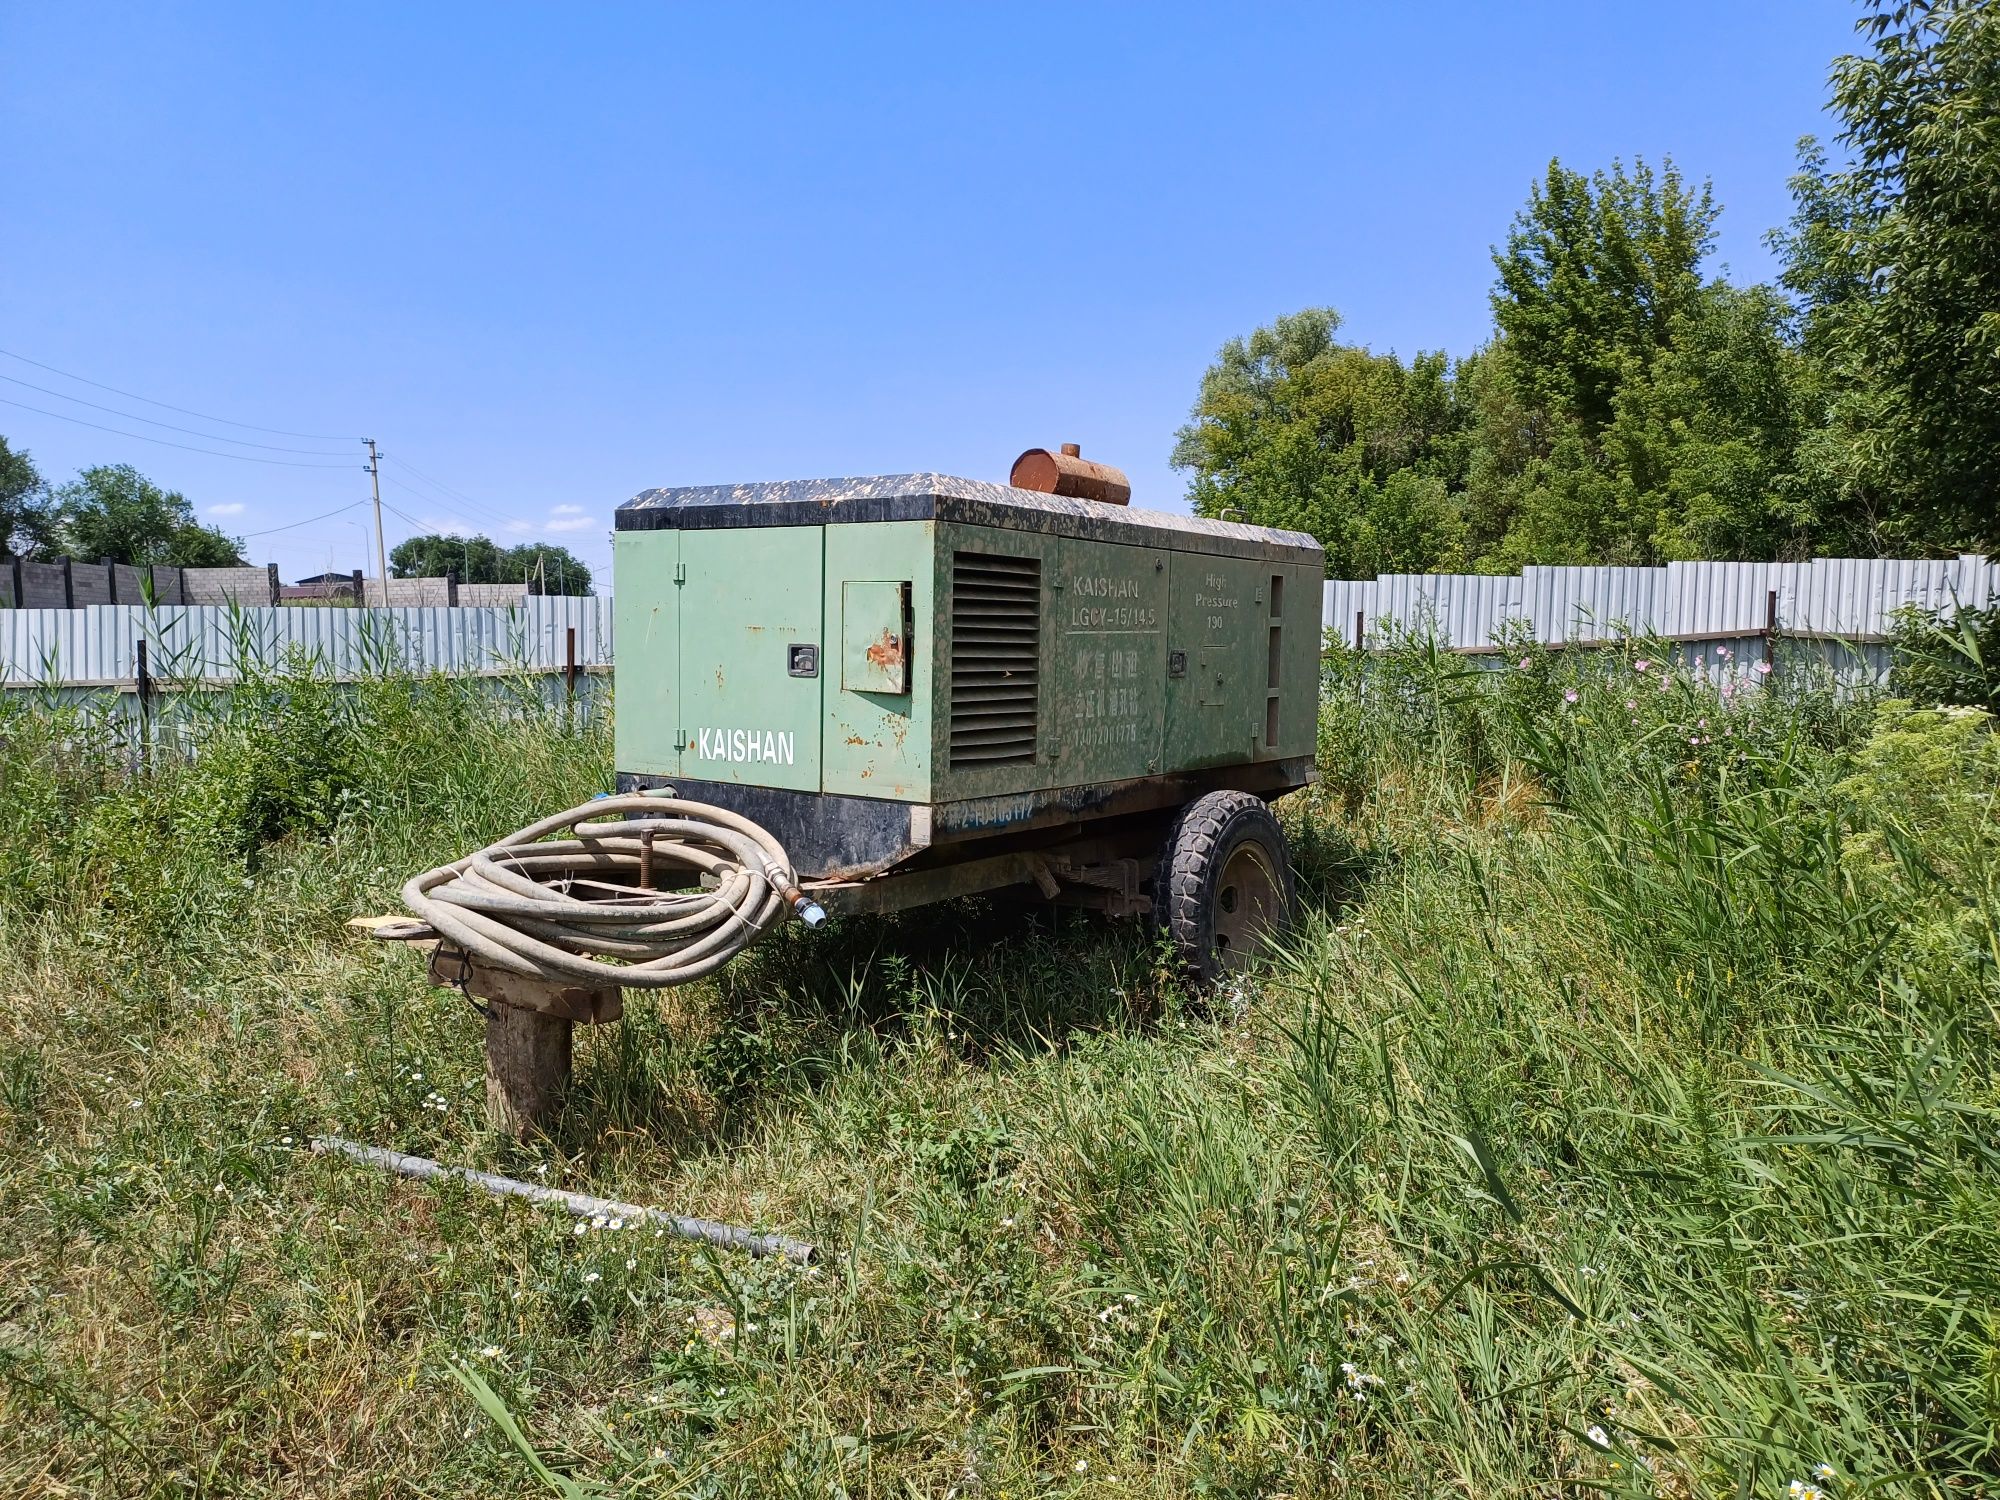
{"points": [[1622, 1119]]}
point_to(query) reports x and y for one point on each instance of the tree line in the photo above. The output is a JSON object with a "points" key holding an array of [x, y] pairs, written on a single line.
{"points": [[108, 511], [543, 566], [1630, 407], [113, 511]]}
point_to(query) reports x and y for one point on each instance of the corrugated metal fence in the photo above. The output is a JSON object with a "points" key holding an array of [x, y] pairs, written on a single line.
{"points": [[194, 645], [1852, 598], [1843, 605]]}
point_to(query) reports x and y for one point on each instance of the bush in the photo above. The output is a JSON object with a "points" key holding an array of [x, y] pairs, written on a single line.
{"points": [[1941, 658]]}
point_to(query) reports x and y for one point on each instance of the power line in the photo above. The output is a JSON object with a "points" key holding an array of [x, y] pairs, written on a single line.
{"points": [[294, 525], [247, 458], [324, 437], [132, 416], [490, 522], [405, 463], [492, 516], [404, 516]]}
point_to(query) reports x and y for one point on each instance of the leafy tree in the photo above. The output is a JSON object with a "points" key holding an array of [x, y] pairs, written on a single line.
{"points": [[1294, 428], [553, 570], [475, 559], [1844, 486], [1633, 412], [1595, 274], [114, 511], [1919, 112], [1702, 441], [478, 559], [23, 502]]}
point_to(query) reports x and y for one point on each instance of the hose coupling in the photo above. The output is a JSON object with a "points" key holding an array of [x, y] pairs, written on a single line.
{"points": [[810, 911]]}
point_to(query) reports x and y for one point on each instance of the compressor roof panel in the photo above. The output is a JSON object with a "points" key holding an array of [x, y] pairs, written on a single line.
{"points": [[943, 497]]}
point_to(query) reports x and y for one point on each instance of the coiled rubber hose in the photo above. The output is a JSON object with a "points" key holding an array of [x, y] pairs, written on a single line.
{"points": [[555, 908]]}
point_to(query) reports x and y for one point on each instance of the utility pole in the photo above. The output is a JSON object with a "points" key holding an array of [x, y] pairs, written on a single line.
{"points": [[374, 467]]}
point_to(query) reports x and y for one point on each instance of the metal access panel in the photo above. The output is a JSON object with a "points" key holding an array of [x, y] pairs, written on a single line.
{"points": [[1216, 691], [882, 645], [751, 655], [646, 616], [1293, 637]]}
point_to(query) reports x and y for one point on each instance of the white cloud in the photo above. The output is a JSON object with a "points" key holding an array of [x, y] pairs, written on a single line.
{"points": [[570, 523], [232, 508], [566, 510], [520, 528]]}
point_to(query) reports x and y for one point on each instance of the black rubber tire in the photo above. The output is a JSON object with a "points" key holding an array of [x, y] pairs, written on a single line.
{"points": [[1206, 835]]}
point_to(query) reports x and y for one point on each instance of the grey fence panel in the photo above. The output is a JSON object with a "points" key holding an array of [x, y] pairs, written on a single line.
{"points": [[247, 587], [43, 585], [1858, 597], [1853, 599], [1467, 607], [1713, 599], [549, 618], [1345, 600], [408, 593], [1587, 604], [90, 583], [169, 585], [492, 593], [208, 643]]}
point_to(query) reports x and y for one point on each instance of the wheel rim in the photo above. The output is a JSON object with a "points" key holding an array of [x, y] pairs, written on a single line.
{"points": [[1249, 905]]}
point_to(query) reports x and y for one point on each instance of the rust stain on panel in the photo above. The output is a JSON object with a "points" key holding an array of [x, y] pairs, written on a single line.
{"points": [[887, 652]]}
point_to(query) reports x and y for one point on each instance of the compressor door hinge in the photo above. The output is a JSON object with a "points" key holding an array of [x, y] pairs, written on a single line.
{"points": [[680, 574], [680, 739]]}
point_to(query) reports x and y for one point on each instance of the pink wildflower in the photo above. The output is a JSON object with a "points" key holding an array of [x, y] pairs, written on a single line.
{"points": [[1641, 665], [1570, 696], [1763, 669], [1524, 663], [1722, 653], [1632, 703]]}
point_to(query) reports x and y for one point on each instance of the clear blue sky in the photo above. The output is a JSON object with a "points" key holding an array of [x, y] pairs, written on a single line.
{"points": [[553, 255]]}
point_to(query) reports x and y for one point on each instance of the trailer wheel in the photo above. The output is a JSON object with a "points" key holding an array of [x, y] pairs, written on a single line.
{"points": [[1224, 885]]}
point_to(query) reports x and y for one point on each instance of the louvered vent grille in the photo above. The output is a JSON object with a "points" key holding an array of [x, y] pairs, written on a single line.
{"points": [[996, 632]]}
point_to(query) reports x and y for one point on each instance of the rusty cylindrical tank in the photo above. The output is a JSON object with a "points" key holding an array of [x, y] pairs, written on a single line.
{"points": [[1069, 473]]}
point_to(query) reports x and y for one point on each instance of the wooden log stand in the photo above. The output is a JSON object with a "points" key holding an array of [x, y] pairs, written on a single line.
{"points": [[528, 1023], [528, 1029]]}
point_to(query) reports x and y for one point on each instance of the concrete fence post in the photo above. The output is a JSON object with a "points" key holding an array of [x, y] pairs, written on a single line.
{"points": [[272, 570]]}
